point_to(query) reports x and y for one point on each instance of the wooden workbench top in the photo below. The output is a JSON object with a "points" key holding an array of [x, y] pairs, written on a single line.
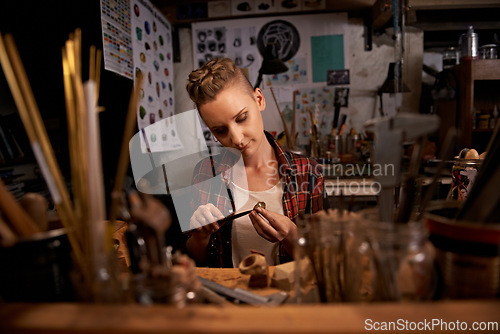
{"points": [[71, 318], [60, 318]]}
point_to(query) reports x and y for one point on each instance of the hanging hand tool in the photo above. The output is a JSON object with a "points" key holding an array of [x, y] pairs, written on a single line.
{"points": [[390, 132]]}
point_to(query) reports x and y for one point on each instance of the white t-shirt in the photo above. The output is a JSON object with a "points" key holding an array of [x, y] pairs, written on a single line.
{"points": [[243, 234]]}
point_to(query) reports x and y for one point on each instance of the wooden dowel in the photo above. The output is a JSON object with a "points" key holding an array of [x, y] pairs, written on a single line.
{"points": [[92, 72], [78, 52], [16, 92], [81, 132], [124, 158], [74, 132], [293, 130], [287, 134], [98, 76], [72, 141]]}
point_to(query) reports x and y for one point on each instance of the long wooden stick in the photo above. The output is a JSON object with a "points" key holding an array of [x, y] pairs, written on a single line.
{"points": [[124, 158], [287, 134], [293, 130], [76, 176], [98, 75], [92, 63], [81, 127]]}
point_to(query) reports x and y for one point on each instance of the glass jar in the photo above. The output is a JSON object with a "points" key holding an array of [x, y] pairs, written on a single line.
{"points": [[449, 58], [357, 258], [402, 258], [326, 268]]}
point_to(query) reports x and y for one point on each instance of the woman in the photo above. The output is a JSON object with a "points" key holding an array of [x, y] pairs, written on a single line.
{"points": [[288, 183]]}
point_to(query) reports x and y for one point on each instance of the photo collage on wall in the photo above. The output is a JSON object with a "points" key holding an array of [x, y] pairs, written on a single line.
{"points": [[153, 57], [236, 43], [319, 100]]}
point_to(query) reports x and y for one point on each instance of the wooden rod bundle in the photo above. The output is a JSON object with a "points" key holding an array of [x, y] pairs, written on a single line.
{"points": [[86, 159], [40, 143]]}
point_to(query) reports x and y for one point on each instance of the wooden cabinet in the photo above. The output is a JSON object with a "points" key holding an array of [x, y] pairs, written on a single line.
{"points": [[477, 88]]}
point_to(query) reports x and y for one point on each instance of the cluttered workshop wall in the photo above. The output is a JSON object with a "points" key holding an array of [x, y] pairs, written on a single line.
{"points": [[362, 76], [310, 45]]}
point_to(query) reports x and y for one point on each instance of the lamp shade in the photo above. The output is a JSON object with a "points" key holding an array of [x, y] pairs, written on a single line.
{"points": [[271, 64]]}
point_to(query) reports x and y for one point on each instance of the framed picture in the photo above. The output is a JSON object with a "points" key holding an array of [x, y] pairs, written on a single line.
{"points": [[265, 6], [219, 8], [338, 77], [242, 7]]}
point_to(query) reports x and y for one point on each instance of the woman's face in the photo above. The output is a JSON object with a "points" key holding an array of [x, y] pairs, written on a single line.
{"points": [[235, 119]]}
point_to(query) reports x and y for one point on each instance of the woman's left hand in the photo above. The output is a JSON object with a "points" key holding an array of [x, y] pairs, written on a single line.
{"points": [[277, 228]]}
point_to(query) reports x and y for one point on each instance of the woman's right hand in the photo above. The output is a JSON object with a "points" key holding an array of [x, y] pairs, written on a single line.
{"points": [[203, 221]]}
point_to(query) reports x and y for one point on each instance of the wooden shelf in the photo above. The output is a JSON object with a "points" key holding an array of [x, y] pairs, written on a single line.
{"points": [[477, 83], [482, 130], [485, 69]]}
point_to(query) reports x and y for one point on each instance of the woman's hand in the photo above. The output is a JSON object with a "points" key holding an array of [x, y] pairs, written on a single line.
{"points": [[277, 228], [203, 221]]}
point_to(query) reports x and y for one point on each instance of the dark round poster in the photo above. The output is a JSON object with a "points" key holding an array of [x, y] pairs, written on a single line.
{"points": [[282, 37]]}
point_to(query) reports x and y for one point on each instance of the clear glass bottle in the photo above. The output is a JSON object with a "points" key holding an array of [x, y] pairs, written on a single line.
{"points": [[324, 265], [449, 58]]}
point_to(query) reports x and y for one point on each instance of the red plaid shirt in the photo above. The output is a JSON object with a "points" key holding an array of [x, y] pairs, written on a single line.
{"points": [[303, 193]]}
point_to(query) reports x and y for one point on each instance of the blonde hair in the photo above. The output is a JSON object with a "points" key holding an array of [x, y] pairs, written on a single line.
{"points": [[207, 81]]}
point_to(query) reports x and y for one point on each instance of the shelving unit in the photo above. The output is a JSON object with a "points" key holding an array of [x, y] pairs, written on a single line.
{"points": [[477, 85]]}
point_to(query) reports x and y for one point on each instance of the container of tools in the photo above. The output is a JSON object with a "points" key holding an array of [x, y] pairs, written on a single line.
{"points": [[464, 173], [401, 257], [327, 250], [468, 252], [37, 269], [358, 258]]}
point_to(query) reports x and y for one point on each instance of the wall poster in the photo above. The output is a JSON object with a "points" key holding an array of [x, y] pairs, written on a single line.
{"points": [[153, 57], [117, 44]]}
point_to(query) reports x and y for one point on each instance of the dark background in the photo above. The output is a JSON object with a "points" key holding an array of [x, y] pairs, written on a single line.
{"points": [[40, 30]]}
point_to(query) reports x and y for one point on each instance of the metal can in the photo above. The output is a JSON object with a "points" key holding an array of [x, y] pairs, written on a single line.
{"points": [[335, 144], [469, 45], [464, 174]]}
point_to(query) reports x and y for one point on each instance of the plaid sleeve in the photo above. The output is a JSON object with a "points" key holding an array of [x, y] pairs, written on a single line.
{"points": [[203, 171], [308, 197]]}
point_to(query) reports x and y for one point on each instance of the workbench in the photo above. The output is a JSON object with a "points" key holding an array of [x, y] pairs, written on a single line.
{"points": [[61, 318]]}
